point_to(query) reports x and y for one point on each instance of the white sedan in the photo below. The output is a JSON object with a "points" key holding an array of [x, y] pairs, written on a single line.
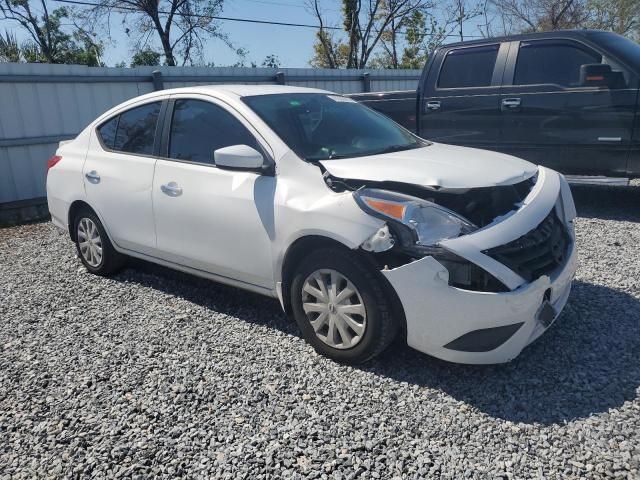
{"points": [[362, 230]]}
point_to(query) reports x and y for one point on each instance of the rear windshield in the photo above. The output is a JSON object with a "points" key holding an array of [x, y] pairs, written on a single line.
{"points": [[320, 126]]}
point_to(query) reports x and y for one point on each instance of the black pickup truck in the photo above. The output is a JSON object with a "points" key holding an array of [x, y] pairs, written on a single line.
{"points": [[564, 99]]}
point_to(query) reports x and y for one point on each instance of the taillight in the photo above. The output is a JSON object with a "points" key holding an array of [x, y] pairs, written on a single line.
{"points": [[53, 161]]}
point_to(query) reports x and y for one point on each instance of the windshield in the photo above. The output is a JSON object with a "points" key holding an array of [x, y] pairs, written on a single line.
{"points": [[320, 127]]}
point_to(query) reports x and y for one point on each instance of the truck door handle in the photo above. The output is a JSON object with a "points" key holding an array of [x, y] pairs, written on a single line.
{"points": [[511, 104], [172, 189], [433, 105], [609, 139], [93, 176]]}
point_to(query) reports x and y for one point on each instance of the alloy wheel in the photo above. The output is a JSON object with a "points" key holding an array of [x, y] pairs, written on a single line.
{"points": [[90, 242]]}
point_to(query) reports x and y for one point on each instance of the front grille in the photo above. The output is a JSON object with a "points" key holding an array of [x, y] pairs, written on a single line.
{"points": [[538, 252]]}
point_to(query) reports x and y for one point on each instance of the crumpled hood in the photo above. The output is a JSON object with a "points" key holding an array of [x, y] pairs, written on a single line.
{"points": [[437, 165]]}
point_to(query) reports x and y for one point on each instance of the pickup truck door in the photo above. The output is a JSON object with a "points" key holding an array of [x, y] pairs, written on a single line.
{"points": [[460, 103], [550, 118]]}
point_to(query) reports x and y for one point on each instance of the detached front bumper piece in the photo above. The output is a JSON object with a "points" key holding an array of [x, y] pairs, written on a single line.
{"points": [[475, 327]]}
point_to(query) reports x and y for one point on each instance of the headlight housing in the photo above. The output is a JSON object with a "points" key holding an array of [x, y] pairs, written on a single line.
{"points": [[422, 223]]}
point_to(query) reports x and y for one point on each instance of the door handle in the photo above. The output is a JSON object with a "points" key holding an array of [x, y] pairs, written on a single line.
{"points": [[93, 176], [609, 139], [172, 189], [433, 105], [511, 104]]}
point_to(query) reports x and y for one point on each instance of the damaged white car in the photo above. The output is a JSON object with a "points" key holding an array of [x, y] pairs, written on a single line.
{"points": [[362, 230]]}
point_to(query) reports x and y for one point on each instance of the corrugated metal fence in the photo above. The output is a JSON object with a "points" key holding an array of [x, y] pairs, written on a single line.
{"points": [[41, 105]]}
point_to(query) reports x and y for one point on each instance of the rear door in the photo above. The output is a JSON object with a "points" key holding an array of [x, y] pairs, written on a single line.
{"points": [[118, 175], [461, 104], [552, 120]]}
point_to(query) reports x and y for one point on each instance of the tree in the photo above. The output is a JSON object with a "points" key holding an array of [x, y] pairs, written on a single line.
{"points": [[415, 53], [271, 61], [328, 53], [9, 48], [48, 42], [414, 26], [421, 32], [181, 26], [620, 16], [543, 15], [364, 23], [146, 57]]}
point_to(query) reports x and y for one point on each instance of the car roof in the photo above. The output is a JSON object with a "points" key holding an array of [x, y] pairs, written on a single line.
{"points": [[244, 90], [582, 33], [222, 92]]}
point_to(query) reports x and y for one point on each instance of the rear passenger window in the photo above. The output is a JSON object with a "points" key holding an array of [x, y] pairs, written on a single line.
{"points": [[137, 128], [552, 62], [468, 67], [199, 128], [107, 132], [132, 131]]}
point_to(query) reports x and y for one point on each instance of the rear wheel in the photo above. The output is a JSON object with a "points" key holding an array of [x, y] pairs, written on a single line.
{"points": [[341, 307], [94, 247]]}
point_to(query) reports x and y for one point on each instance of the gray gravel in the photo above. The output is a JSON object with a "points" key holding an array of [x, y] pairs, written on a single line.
{"points": [[157, 373]]}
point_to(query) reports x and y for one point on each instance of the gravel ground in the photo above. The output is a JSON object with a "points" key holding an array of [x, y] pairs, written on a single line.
{"points": [[157, 373]]}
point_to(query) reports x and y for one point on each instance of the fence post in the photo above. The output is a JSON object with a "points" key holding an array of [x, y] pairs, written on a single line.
{"points": [[280, 80], [156, 78], [366, 82]]}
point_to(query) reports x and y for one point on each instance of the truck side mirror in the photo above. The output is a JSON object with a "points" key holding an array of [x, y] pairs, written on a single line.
{"points": [[600, 75]]}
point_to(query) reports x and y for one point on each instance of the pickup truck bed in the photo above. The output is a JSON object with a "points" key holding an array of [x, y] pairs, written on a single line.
{"points": [[401, 106]]}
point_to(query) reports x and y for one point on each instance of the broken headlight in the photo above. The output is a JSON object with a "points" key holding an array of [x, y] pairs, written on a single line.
{"points": [[422, 223]]}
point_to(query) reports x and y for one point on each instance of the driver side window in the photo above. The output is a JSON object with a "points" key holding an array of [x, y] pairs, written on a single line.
{"points": [[198, 128], [552, 62]]}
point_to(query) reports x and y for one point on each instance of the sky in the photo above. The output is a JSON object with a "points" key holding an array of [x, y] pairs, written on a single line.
{"points": [[292, 45]]}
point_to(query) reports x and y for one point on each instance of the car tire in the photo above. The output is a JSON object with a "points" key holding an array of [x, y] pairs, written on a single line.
{"points": [[372, 329], [95, 250]]}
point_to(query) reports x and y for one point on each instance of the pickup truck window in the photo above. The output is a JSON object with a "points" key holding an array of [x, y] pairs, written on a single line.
{"points": [[552, 62], [468, 67], [319, 127]]}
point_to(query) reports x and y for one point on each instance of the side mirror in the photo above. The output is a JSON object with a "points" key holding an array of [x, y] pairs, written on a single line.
{"points": [[599, 75], [238, 157]]}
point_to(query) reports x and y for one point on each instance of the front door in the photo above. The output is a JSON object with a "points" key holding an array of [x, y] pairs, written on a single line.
{"points": [[464, 103], [207, 218], [551, 119], [118, 175]]}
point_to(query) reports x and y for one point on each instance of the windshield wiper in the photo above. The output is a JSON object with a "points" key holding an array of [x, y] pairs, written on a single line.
{"points": [[389, 149], [335, 156], [395, 148]]}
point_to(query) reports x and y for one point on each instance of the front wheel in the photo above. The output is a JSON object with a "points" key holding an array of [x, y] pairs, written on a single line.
{"points": [[341, 306]]}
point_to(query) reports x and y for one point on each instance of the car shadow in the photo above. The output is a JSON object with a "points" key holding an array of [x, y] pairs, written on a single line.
{"points": [[607, 203], [247, 306], [587, 363]]}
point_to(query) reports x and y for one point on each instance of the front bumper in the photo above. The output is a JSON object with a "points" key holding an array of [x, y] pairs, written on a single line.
{"points": [[438, 315]]}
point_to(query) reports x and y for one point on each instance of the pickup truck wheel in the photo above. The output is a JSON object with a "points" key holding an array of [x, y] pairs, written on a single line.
{"points": [[341, 306], [94, 247]]}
